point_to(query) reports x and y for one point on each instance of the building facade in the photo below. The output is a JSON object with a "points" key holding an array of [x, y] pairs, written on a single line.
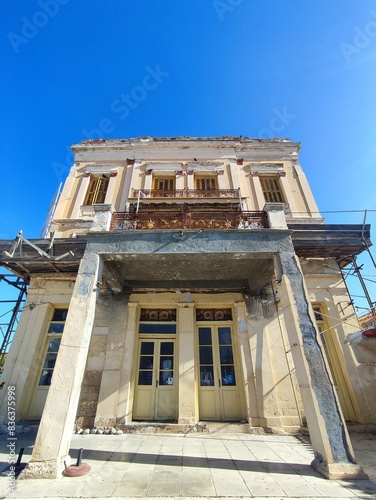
{"points": [[187, 280]]}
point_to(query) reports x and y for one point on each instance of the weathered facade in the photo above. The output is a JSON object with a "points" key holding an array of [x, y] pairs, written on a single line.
{"points": [[186, 280]]}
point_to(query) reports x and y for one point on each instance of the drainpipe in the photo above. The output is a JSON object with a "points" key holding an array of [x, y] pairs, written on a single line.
{"points": [[240, 200], [138, 199]]}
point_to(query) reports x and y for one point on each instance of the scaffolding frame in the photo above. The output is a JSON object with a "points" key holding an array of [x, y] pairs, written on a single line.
{"points": [[9, 318]]}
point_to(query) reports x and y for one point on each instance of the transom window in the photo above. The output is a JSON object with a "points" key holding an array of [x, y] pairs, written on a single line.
{"points": [[271, 188], [55, 331], [97, 190], [157, 321]]}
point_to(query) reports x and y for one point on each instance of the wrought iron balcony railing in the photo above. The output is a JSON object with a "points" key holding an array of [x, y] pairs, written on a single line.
{"points": [[186, 193], [188, 220]]}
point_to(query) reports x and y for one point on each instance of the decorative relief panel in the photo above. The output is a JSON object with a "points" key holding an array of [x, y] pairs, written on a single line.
{"points": [[213, 314], [158, 315]]}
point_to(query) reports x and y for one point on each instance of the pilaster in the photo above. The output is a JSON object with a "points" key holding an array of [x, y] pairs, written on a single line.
{"points": [[246, 364], [188, 408], [110, 382], [82, 190], [125, 403]]}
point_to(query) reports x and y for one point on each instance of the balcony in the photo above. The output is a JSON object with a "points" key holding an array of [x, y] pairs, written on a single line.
{"points": [[188, 220], [186, 193]]}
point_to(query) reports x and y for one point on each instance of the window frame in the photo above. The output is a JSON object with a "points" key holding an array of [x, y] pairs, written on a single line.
{"points": [[50, 336], [170, 179], [206, 182], [97, 190], [272, 193]]}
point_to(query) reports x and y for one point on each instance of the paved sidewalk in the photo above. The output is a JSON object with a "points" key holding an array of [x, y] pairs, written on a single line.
{"points": [[193, 466]]}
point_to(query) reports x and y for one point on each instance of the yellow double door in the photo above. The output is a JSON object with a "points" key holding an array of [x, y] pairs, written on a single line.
{"points": [[156, 384]]}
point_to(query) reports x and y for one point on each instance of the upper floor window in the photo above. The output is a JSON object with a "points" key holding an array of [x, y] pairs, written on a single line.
{"points": [[271, 188], [164, 183], [206, 183], [97, 190], [54, 334]]}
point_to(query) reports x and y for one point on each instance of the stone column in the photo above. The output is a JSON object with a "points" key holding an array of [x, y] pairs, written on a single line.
{"points": [[260, 198], [289, 196], [148, 180], [260, 314], [188, 409], [56, 426], [234, 174], [110, 193], [246, 364], [102, 217], [190, 179], [19, 366], [125, 402], [276, 215], [334, 456], [106, 414], [180, 180], [310, 202], [82, 190]]}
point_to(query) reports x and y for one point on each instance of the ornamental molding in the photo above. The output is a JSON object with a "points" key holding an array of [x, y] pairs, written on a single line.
{"points": [[163, 167], [207, 166], [163, 315], [101, 168], [267, 168]]}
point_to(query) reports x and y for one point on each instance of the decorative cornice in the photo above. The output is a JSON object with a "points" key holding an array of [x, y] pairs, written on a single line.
{"points": [[267, 168], [163, 167]]}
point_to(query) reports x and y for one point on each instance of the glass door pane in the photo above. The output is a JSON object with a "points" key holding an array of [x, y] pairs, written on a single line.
{"points": [[145, 375], [166, 363], [226, 357], [206, 356]]}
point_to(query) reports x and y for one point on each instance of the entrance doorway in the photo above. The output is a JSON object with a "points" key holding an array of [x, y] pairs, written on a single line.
{"points": [[338, 373], [155, 395], [219, 397]]}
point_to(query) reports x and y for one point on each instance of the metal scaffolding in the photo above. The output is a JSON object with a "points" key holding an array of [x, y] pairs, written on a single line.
{"points": [[10, 311]]}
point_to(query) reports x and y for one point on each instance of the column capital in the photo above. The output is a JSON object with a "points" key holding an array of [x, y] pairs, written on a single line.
{"points": [[185, 305]]}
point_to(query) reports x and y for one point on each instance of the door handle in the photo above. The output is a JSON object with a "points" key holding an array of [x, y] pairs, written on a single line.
{"points": [[156, 383]]}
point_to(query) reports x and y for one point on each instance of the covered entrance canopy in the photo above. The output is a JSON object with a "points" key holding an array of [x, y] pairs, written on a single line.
{"points": [[189, 272]]}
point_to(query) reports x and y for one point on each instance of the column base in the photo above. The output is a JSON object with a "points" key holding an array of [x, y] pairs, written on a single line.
{"points": [[187, 420], [48, 469], [339, 471]]}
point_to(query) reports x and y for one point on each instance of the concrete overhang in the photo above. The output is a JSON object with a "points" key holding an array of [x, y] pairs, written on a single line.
{"points": [[338, 241], [232, 248], [191, 272], [363, 344]]}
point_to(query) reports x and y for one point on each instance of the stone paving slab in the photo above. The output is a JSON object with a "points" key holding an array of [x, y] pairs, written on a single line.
{"points": [[192, 467]]}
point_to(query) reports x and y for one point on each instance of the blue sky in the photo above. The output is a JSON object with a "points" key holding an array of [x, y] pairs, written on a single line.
{"points": [[302, 70]]}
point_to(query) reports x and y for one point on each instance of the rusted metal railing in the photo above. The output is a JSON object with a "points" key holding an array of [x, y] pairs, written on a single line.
{"points": [[186, 193], [188, 220]]}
